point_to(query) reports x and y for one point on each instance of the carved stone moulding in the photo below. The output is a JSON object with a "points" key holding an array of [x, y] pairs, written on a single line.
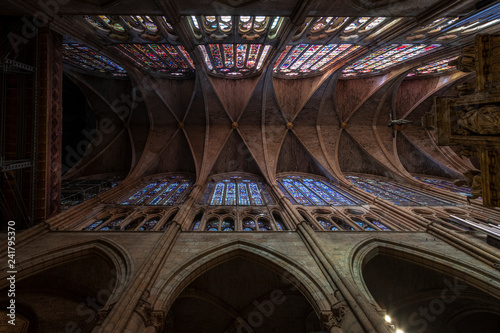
{"points": [[469, 120]]}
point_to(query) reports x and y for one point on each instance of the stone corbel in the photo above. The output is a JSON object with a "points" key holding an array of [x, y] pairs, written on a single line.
{"points": [[335, 317], [150, 316]]}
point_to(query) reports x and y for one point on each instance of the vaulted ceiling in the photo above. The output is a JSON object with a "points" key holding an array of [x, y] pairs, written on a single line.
{"points": [[326, 122]]}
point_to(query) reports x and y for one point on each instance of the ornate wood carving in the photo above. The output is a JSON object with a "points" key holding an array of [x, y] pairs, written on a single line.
{"points": [[473, 118]]}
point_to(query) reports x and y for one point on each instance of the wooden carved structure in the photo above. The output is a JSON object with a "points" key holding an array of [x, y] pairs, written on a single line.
{"points": [[472, 120]]}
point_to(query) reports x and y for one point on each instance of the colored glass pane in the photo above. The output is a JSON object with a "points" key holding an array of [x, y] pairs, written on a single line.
{"points": [[241, 53], [255, 193], [252, 55], [263, 56], [218, 194], [399, 195], [282, 55], [95, 225], [243, 194], [297, 195], [294, 55], [196, 225], [230, 194], [216, 55], [208, 62], [178, 193]]}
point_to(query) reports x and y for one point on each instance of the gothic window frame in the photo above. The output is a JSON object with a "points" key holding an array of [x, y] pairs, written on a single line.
{"points": [[155, 190], [387, 189], [255, 189], [315, 185]]}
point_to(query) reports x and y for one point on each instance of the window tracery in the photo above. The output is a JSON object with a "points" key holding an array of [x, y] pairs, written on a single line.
{"points": [[435, 67], [445, 185], [166, 191], [447, 29], [310, 191], [398, 194], [234, 59], [387, 57], [304, 59], [84, 58], [131, 28], [236, 191], [76, 191]]}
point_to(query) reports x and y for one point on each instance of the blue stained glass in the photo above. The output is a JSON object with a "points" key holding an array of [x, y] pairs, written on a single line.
{"points": [[228, 225], [325, 224], [165, 193], [218, 193], [249, 225], [212, 225], [280, 227], [230, 194], [196, 225], [152, 193], [313, 197], [94, 225], [309, 183], [264, 225], [205, 198], [446, 185], [139, 194], [265, 193], [254, 191], [379, 225], [342, 199], [299, 198], [112, 224], [243, 194], [173, 199], [149, 225]]}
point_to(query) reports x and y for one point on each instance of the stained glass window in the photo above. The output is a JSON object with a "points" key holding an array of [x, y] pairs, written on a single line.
{"points": [[212, 225], [388, 57], [167, 191], [327, 225], [248, 225], [134, 224], [234, 59], [398, 194], [113, 225], [264, 225], [315, 192], [227, 225], [447, 29], [435, 67], [342, 223], [446, 185], [84, 58], [362, 224], [196, 225], [76, 191], [149, 224], [307, 58], [161, 58], [279, 222], [96, 224], [378, 224], [238, 191]]}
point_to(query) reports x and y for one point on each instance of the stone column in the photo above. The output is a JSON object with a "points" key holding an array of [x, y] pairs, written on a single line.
{"points": [[353, 300]]}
